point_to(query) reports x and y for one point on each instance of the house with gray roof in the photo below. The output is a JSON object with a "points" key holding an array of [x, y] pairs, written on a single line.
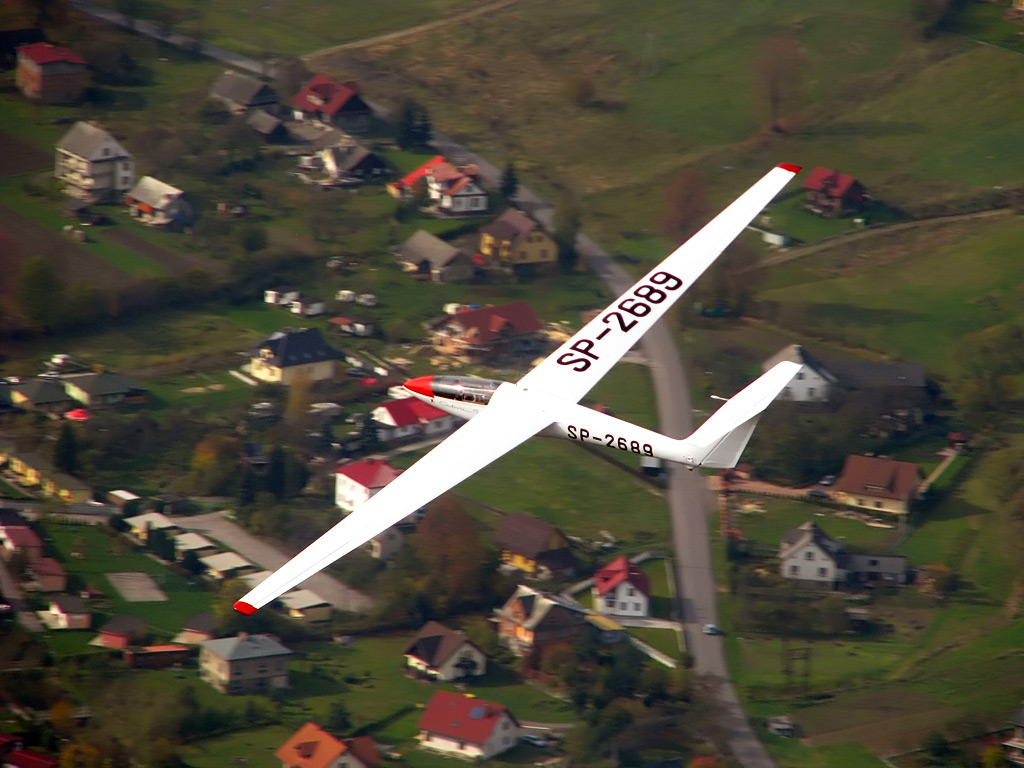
{"points": [[426, 254], [291, 354], [440, 653], [46, 395], [103, 389], [159, 204], [92, 165], [244, 664], [531, 620], [353, 162], [809, 555], [240, 93], [267, 125]]}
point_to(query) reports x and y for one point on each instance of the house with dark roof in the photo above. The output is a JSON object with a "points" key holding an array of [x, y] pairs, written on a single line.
{"points": [[121, 631], [833, 194], [353, 162], [331, 102], [244, 664], [226, 565], [477, 335], [159, 204], [810, 556], [312, 747], [193, 542], [355, 483], [45, 395], [197, 629], [535, 547], [1014, 744], [66, 488], [514, 240], [465, 726], [621, 588], [31, 468], [531, 620], [440, 653], [428, 255], [240, 93], [410, 418], [269, 126], [455, 190], [291, 354], [92, 165], [882, 485], [51, 74]]}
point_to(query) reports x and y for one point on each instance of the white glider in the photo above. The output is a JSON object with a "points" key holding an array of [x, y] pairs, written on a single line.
{"points": [[545, 401]]}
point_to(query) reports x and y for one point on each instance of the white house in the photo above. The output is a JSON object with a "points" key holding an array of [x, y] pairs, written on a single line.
{"points": [[386, 544], [227, 565], [410, 417], [444, 654], [455, 190], [159, 204], [308, 306], [92, 165], [465, 726], [809, 554], [282, 295], [355, 483], [622, 589], [194, 542], [812, 383]]}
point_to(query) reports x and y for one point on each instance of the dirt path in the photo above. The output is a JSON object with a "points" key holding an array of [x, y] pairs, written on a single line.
{"points": [[392, 36]]}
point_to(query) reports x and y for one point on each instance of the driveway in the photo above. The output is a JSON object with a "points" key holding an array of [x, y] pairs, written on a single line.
{"points": [[216, 525]]}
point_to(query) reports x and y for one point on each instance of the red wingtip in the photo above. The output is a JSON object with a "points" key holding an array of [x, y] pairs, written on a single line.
{"points": [[244, 608], [421, 386], [790, 167]]}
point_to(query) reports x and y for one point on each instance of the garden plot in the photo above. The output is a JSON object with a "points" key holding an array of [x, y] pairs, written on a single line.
{"points": [[136, 587]]}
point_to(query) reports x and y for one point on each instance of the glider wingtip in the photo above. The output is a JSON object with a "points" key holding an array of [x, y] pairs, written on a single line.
{"points": [[244, 608], [790, 167]]}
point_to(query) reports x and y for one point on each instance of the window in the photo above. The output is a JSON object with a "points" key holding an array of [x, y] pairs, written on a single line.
{"points": [[636, 606], [610, 601], [799, 375], [632, 592], [808, 555], [821, 572], [794, 570], [872, 561], [810, 391], [622, 606]]}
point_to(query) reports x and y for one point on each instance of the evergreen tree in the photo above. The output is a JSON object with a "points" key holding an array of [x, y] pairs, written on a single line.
{"points": [[275, 481], [567, 226], [247, 487], [509, 181], [414, 128], [191, 563], [65, 452]]}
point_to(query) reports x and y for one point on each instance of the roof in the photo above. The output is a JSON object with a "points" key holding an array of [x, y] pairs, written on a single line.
{"points": [[795, 353], [224, 561], [618, 571], [479, 326], [155, 193], [28, 758], [365, 749], [245, 647], [410, 179], [192, 540], [22, 537], [47, 566], [68, 482], [204, 621], [11, 518], [423, 246], [410, 410], [296, 346], [42, 391], [795, 538], [123, 495], [84, 139], [860, 563], [512, 224], [881, 478], [524, 535], [435, 643], [70, 604], [370, 473], [310, 747], [123, 624], [604, 623], [263, 122], [865, 373], [322, 94], [833, 183], [242, 89], [537, 604], [301, 599], [461, 717], [45, 53], [151, 519]]}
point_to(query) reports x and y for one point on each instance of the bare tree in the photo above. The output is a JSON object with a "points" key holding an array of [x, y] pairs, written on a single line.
{"points": [[778, 72], [686, 205]]}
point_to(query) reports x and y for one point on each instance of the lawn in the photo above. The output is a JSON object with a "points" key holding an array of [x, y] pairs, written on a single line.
{"points": [[665, 640], [780, 515], [658, 575]]}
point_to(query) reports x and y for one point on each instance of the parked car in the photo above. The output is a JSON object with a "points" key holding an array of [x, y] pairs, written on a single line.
{"points": [[827, 480], [711, 629], [815, 493], [531, 738]]}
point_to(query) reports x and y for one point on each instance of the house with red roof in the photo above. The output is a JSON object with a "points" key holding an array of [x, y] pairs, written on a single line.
{"points": [[622, 589], [404, 187], [465, 726], [29, 758], [333, 103], [410, 418], [21, 538], [882, 485], [476, 335], [51, 74], [355, 483], [456, 190], [48, 575], [312, 747], [833, 194]]}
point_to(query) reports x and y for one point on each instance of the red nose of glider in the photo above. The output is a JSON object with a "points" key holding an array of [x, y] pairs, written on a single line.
{"points": [[421, 386]]}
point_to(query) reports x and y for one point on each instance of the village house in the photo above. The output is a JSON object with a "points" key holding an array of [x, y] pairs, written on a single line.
{"points": [[810, 556], [21, 540], [428, 255], [465, 726], [411, 418], [45, 574], [332, 103], [307, 607], [140, 525], [621, 588], [240, 93], [121, 631], [514, 240], [353, 162], [168, 503], [30, 468], [197, 629], [124, 501], [226, 565], [386, 544], [307, 306], [312, 747], [1014, 745], [51, 74], [813, 383], [92, 165], [43, 395], [159, 204], [353, 326], [355, 483], [535, 547], [244, 664], [478, 335], [531, 620], [455, 191], [833, 194], [283, 295], [195, 543], [29, 758], [405, 187], [65, 488], [444, 654], [881, 485], [291, 354]]}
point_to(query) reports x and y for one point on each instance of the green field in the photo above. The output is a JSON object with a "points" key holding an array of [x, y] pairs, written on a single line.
{"points": [[780, 515]]}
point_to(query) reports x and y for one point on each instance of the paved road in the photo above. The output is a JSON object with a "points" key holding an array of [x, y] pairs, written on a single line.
{"points": [[216, 525]]}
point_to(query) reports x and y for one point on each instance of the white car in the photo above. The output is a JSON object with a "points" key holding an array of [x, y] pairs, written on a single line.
{"points": [[531, 738], [711, 629]]}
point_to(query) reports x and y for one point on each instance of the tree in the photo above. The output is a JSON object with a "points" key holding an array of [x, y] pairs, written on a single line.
{"points": [[79, 755], [414, 128], [448, 545], [777, 73], [248, 485], [290, 74], [686, 205], [339, 719], [296, 412], [40, 291], [192, 564], [567, 226], [275, 480], [214, 464], [252, 238], [509, 181], [65, 451]]}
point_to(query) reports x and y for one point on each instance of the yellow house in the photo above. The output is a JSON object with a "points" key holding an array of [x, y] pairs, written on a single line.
{"points": [[534, 546], [882, 485], [292, 354], [30, 468], [68, 489], [515, 240]]}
